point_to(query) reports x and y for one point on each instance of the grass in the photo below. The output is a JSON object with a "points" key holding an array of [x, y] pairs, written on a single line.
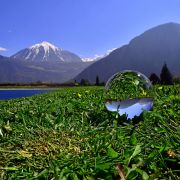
{"points": [[68, 134]]}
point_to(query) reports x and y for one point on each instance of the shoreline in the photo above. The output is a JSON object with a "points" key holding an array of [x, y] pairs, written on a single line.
{"points": [[28, 88]]}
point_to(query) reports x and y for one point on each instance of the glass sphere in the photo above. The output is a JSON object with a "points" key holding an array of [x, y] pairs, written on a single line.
{"points": [[128, 92]]}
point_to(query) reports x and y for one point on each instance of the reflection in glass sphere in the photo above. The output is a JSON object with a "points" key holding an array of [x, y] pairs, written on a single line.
{"points": [[128, 92]]}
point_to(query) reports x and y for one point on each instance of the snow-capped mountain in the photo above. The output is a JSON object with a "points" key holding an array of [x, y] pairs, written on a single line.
{"points": [[46, 51], [97, 57]]}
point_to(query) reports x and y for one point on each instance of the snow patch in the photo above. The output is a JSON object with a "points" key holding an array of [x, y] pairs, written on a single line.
{"points": [[98, 57], [46, 45]]}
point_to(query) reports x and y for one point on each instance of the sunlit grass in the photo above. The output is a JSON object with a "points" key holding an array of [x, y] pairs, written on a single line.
{"points": [[69, 134]]}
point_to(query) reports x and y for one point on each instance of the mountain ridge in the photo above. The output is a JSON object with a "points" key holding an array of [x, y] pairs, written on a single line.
{"points": [[19, 71], [145, 53]]}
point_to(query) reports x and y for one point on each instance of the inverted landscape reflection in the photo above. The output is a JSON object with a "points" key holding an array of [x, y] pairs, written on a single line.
{"points": [[131, 107]]}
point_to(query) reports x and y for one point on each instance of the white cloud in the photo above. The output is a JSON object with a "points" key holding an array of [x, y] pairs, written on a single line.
{"points": [[2, 49]]}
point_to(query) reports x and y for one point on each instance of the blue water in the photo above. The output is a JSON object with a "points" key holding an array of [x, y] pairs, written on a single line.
{"points": [[12, 94]]}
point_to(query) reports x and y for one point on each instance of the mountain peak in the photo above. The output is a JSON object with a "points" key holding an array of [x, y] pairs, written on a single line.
{"points": [[171, 24], [46, 45], [46, 51]]}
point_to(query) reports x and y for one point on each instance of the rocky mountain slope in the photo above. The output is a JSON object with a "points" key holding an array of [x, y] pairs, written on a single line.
{"points": [[145, 53]]}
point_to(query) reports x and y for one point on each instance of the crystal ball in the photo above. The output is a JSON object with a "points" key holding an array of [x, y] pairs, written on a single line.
{"points": [[128, 92]]}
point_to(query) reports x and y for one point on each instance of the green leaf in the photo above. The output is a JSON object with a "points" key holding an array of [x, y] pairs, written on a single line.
{"points": [[90, 178], [137, 150], [42, 174], [1, 133], [103, 166], [143, 174], [112, 153], [153, 154], [133, 139], [74, 177], [9, 168], [131, 174]]}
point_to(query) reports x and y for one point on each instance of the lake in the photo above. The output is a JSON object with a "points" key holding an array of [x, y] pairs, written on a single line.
{"points": [[19, 93]]}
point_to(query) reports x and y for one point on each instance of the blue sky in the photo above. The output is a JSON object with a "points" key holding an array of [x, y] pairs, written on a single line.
{"points": [[85, 27]]}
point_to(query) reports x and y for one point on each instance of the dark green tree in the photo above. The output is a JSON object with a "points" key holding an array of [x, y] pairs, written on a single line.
{"points": [[176, 80], [97, 80], [166, 77], [154, 78], [84, 82], [102, 83]]}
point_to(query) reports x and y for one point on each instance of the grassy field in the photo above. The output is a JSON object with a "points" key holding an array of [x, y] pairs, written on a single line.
{"points": [[68, 134]]}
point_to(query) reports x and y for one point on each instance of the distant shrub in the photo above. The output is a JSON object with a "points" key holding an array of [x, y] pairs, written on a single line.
{"points": [[97, 81], [176, 80], [154, 78], [166, 76], [84, 82]]}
